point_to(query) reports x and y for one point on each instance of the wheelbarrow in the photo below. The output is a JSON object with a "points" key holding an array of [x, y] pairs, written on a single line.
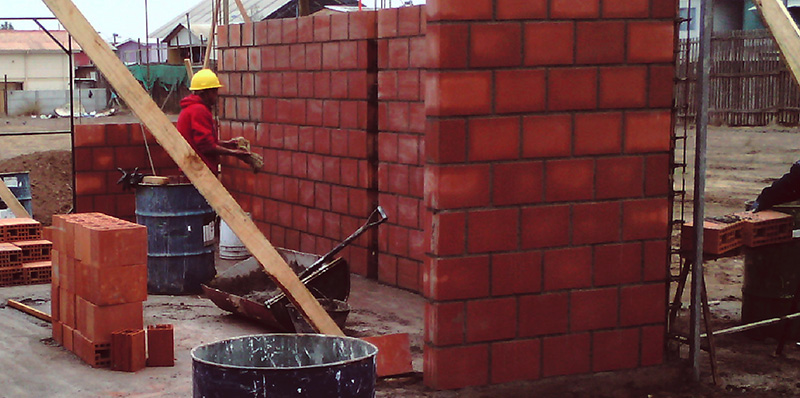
{"points": [[246, 290]]}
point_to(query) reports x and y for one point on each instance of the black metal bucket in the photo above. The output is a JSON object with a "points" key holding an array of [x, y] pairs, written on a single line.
{"points": [[771, 274], [285, 365], [180, 256]]}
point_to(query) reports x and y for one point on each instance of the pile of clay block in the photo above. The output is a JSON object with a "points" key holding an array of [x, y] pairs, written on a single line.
{"points": [[24, 255], [723, 234], [99, 285]]}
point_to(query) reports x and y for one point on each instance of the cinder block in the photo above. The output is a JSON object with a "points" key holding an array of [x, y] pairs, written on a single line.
{"points": [[160, 345], [718, 236], [97, 323], [37, 272], [109, 285], [97, 355], [127, 350], [766, 228], [67, 337], [10, 255], [394, 354], [19, 229]]}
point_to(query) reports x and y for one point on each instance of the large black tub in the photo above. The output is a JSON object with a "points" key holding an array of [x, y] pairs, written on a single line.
{"points": [[285, 365]]}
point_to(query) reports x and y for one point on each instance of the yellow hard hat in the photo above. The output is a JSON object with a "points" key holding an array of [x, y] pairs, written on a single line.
{"points": [[204, 79]]}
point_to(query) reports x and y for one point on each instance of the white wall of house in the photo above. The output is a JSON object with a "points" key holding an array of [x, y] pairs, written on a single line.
{"points": [[36, 70]]}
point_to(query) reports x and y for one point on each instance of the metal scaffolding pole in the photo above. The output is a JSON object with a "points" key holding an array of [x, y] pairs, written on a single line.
{"points": [[703, 72]]}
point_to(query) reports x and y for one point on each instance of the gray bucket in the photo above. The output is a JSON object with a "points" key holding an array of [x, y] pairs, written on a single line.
{"points": [[285, 365], [180, 252], [19, 184]]}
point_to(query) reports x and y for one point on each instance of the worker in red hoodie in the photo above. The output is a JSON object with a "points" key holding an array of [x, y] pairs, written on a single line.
{"points": [[196, 123]]}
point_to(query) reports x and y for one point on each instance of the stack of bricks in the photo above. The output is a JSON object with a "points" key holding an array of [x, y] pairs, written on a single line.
{"points": [[24, 255], [99, 284], [740, 229]]}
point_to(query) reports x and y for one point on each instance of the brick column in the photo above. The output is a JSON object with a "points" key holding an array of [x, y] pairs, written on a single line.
{"points": [[546, 187]]}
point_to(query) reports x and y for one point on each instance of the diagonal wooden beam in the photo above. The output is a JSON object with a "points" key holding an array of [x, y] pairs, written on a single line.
{"points": [[784, 30], [11, 201], [245, 17], [191, 164]]}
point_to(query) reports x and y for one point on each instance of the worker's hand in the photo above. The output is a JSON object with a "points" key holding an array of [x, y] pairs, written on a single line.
{"points": [[230, 144]]}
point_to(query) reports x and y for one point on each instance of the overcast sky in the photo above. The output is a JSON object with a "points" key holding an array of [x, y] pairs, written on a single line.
{"points": [[123, 17]]}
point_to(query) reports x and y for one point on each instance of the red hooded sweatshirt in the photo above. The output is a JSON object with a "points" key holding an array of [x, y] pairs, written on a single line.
{"points": [[197, 126]]}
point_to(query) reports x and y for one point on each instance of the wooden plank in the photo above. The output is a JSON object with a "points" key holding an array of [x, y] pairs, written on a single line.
{"points": [[11, 201], [195, 169], [29, 310], [242, 11], [189, 71], [785, 32], [210, 47]]}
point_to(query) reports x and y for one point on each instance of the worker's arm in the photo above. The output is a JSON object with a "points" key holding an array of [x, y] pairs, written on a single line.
{"points": [[205, 138]]}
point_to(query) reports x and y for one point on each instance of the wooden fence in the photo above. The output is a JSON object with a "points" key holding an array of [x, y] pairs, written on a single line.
{"points": [[749, 84]]}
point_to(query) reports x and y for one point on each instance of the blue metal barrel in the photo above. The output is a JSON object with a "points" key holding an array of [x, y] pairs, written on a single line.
{"points": [[180, 256], [20, 185], [285, 365]]}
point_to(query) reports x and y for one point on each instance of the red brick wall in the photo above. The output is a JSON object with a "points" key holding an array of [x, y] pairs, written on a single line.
{"points": [[547, 187], [99, 150]]}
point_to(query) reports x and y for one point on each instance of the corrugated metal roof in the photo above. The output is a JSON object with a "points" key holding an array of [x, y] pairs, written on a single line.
{"points": [[201, 14], [34, 40]]}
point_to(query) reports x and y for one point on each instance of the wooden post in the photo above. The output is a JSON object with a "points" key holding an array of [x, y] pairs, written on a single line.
{"points": [[12, 202], [188, 63], [190, 163], [242, 11], [303, 8], [785, 32]]}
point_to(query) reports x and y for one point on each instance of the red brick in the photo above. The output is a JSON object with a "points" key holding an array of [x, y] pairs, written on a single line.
{"points": [[549, 43], [449, 368], [408, 149], [339, 26], [458, 278], [495, 44], [645, 219], [521, 9], [387, 22], [338, 84], [598, 133], [620, 177], [408, 274], [595, 222], [660, 86], [566, 355], [446, 141], [128, 350], [543, 314], [459, 93], [90, 183], [399, 53], [454, 11], [492, 230], [90, 135], [305, 29], [160, 345], [108, 285], [387, 85], [112, 243], [647, 131], [516, 360], [617, 264], [520, 91], [657, 179], [656, 264], [643, 304], [363, 25], [457, 186], [571, 179], [625, 8], [449, 234], [517, 183], [417, 117], [515, 273], [651, 41], [664, 9], [568, 268], [448, 47], [546, 136], [545, 226], [98, 322], [624, 87], [493, 319], [387, 266], [494, 138], [322, 28], [615, 350], [593, 309], [572, 89], [560, 9], [652, 345], [408, 85], [600, 42], [409, 20], [394, 353]]}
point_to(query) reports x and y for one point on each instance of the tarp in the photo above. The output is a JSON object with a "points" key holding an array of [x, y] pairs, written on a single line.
{"points": [[166, 75]]}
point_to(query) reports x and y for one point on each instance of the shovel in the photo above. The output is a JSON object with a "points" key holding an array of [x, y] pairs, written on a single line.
{"points": [[377, 217]]}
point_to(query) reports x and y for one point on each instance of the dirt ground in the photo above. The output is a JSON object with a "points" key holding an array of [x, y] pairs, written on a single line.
{"points": [[741, 161]]}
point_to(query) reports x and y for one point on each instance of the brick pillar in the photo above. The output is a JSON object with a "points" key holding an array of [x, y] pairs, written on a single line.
{"points": [[546, 188]]}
